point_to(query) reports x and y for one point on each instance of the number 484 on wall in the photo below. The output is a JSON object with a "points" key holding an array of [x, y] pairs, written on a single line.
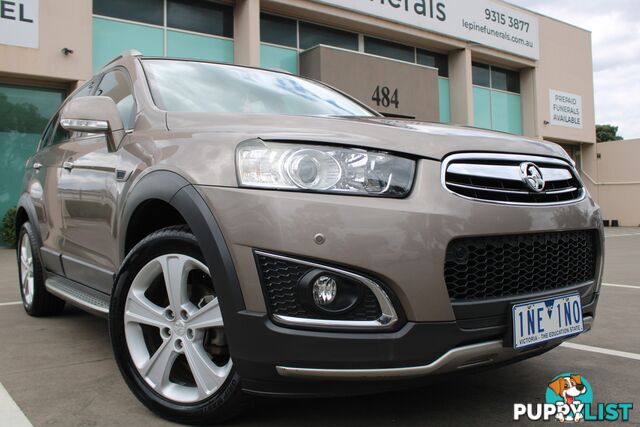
{"points": [[384, 96]]}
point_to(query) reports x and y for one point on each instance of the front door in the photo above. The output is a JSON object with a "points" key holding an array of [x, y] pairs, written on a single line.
{"points": [[41, 181], [89, 189], [88, 195]]}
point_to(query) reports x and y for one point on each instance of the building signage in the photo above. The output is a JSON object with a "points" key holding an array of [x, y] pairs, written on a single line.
{"points": [[482, 21], [565, 109], [19, 23]]}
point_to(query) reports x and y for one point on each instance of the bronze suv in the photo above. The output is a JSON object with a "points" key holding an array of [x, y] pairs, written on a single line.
{"points": [[249, 232]]}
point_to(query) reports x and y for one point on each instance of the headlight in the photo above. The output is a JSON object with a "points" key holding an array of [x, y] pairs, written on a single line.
{"points": [[285, 166]]}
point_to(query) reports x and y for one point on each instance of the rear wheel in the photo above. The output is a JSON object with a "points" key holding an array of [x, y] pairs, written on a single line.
{"points": [[37, 301], [168, 332]]}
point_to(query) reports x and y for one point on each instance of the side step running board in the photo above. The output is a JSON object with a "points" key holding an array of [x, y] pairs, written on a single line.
{"points": [[79, 295]]}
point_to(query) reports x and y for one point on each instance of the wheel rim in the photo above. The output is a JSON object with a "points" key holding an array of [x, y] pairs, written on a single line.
{"points": [[174, 329], [26, 269]]}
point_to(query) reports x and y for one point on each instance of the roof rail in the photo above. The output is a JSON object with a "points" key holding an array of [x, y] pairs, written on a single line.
{"points": [[130, 52]]}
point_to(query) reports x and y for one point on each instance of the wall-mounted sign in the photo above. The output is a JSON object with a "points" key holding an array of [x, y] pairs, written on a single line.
{"points": [[482, 21], [19, 23], [565, 109]]}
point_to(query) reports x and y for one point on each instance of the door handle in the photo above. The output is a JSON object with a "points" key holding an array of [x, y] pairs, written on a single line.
{"points": [[68, 166], [37, 166]]}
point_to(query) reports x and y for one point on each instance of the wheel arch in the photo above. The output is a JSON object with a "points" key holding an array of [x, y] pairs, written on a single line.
{"points": [[26, 212], [155, 187], [175, 191]]}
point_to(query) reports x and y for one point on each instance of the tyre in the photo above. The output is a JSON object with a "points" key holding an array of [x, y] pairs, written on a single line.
{"points": [[167, 332], [37, 301]]}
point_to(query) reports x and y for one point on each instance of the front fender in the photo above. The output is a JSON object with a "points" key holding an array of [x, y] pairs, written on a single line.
{"points": [[25, 203], [184, 198]]}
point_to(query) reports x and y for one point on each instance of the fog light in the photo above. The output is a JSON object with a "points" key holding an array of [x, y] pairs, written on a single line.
{"points": [[325, 289]]}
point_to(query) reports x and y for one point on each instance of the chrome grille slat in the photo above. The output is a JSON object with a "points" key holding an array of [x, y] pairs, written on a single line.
{"points": [[478, 188], [505, 172], [497, 178]]}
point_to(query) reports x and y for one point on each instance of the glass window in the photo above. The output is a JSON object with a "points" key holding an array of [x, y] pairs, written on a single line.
{"points": [[85, 90], [111, 38], [196, 46], [389, 49], [505, 80], [148, 11], [444, 98], [481, 75], [185, 86], [277, 30], [496, 78], [46, 135], [482, 107], [115, 85], [312, 35], [24, 114], [432, 59], [506, 112], [493, 107], [200, 16], [279, 58], [60, 135]]}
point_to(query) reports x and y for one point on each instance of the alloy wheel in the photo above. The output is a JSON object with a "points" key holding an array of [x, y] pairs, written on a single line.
{"points": [[174, 329], [26, 269]]}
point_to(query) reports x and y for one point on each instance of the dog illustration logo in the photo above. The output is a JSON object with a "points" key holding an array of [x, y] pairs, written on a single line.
{"points": [[569, 399], [569, 392]]}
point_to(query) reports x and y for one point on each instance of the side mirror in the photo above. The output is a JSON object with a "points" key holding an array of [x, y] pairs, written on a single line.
{"points": [[94, 114]]}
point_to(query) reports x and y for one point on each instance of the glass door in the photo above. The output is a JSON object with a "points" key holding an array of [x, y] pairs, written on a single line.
{"points": [[24, 113]]}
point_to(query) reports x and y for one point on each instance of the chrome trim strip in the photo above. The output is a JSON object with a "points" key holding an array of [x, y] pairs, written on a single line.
{"points": [[510, 157], [460, 353], [561, 191], [387, 318], [336, 324], [507, 172], [454, 359]]}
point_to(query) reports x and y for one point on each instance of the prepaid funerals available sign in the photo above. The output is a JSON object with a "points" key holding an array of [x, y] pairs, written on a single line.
{"points": [[565, 109], [19, 23], [482, 21]]}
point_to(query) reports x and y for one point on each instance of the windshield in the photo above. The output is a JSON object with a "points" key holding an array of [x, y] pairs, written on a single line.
{"points": [[187, 86]]}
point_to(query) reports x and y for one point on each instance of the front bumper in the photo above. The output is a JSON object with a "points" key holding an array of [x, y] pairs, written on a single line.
{"points": [[400, 242], [464, 357]]}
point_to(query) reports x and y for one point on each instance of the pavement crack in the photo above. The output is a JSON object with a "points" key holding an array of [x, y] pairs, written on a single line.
{"points": [[63, 365]]}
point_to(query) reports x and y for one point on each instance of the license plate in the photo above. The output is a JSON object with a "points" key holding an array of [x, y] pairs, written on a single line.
{"points": [[545, 320]]}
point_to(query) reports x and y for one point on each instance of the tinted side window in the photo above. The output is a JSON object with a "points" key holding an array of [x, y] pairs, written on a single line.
{"points": [[115, 85], [60, 135], [84, 90], [54, 134], [46, 136]]}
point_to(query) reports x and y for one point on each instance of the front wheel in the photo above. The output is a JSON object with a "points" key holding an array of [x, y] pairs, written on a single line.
{"points": [[168, 334]]}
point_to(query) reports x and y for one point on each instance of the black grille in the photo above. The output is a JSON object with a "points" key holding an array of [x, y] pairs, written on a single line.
{"points": [[493, 267], [280, 279], [499, 180]]}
